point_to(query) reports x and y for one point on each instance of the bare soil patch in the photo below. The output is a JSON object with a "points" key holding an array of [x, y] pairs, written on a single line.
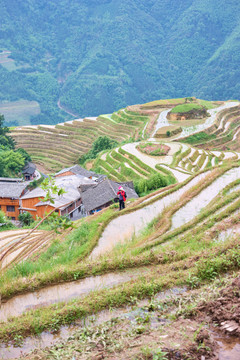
{"points": [[154, 149], [156, 331], [225, 311]]}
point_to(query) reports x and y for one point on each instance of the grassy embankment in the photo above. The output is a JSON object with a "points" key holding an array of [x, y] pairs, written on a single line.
{"points": [[47, 265], [177, 264], [120, 165], [219, 259]]}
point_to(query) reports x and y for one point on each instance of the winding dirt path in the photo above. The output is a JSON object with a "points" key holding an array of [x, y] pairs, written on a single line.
{"points": [[61, 107]]}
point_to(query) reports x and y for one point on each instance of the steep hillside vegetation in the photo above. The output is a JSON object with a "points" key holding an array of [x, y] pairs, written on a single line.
{"points": [[182, 237], [167, 256], [97, 57]]}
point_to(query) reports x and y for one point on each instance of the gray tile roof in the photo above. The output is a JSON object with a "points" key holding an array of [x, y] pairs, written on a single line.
{"points": [[77, 170], [29, 168], [70, 184], [12, 190], [13, 180], [103, 192]]}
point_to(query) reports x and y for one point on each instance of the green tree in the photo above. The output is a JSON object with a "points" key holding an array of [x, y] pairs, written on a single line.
{"points": [[26, 218], [14, 162], [3, 129], [102, 143], [5, 140], [4, 221], [24, 154], [2, 164], [55, 221]]}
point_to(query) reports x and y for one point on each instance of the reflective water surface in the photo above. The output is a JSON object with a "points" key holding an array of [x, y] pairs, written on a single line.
{"points": [[65, 292], [229, 347], [47, 339], [199, 202], [126, 226]]}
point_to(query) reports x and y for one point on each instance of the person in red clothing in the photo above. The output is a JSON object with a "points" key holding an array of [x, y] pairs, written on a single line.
{"points": [[122, 197]]}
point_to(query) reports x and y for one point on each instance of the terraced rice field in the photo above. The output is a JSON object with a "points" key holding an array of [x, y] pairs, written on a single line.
{"points": [[128, 163], [223, 134], [183, 159], [17, 245], [184, 235], [19, 111], [66, 142], [189, 219]]}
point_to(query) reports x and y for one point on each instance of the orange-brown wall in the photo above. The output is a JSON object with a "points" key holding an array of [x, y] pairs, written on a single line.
{"points": [[67, 173], [42, 210], [28, 204], [4, 202]]}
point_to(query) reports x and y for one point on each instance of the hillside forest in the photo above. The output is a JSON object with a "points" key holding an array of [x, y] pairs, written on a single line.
{"points": [[93, 57], [12, 160]]}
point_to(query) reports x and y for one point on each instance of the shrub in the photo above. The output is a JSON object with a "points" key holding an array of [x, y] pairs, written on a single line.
{"points": [[154, 182], [25, 218], [102, 143], [5, 223], [2, 217]]}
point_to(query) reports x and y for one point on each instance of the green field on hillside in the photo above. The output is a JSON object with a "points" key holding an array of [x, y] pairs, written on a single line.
{"points": [[107, 72], [185, 108], [17, 113]]}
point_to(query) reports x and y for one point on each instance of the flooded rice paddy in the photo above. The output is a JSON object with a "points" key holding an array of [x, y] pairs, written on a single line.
{"points": [[65, 292], [199, 202], [229, 347], [227, 234], [46, 339], [126, 226], [187, 131]]}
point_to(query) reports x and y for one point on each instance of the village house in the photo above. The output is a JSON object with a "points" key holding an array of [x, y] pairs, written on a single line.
{"points": [[85, 193], [77, 170], [29, 171], [11, 191], [67, 204], [103, 194]]}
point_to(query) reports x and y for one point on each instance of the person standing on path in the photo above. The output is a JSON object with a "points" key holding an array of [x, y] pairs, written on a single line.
{"points": [[122, 197]]}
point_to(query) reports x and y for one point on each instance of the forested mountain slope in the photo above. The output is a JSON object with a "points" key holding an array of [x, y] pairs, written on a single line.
{"points": [[96, 56]]}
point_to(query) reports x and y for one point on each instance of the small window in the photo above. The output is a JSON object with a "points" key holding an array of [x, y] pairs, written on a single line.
{"points": [[13, 218], [10, 208]]}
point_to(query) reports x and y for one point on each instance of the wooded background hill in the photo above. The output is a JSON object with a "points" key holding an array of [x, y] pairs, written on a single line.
{"points": [[98, 56]]}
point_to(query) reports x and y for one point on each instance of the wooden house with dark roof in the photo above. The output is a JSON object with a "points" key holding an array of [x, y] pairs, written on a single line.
{"points": [[10, 194], [77, 170], [29, 171], [68, 204], [103, 194]]}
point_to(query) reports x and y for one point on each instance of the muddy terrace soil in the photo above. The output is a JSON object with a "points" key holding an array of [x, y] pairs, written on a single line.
{"points": [[161, 329], [225, 311], [150, 149]]}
